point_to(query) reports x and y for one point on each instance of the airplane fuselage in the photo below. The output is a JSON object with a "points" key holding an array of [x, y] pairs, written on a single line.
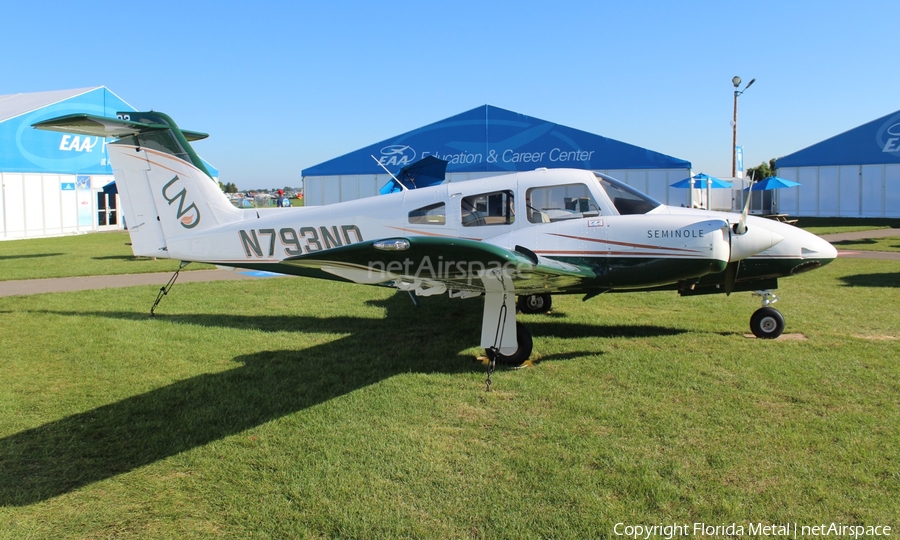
{"points": [[576, 221]]}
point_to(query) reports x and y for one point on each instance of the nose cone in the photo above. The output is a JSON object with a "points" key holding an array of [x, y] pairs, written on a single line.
{"points": [[817, 248], [754, 240]]}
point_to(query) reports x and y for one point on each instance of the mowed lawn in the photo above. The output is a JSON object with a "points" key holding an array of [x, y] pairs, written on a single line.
{"points": [[292, 408], [78, 255]]}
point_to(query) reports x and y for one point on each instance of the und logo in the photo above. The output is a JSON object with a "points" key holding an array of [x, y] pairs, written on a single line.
{"points": [[190, 216]]}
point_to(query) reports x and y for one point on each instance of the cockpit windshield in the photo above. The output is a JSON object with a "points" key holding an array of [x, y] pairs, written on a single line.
{"points": [[625, 198]]}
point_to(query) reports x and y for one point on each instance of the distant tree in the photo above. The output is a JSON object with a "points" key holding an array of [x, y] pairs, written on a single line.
{"points": [[764, 170], [230, 187]]}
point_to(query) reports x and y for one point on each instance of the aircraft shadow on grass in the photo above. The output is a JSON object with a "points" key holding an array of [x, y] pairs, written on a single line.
{"points": [[29, 256], [872, 280], [64, 455], [127, 258], [857, 242]]}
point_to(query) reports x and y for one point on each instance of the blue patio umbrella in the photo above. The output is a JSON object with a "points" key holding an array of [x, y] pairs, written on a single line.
{"points": [[773, 182], [770, 183], [702, 181]]}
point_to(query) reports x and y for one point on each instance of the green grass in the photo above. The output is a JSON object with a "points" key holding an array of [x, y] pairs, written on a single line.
{"points": [[288, 408], [82, 255]]}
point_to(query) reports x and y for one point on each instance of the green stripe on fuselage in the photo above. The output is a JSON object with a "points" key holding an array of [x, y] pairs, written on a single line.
{"points": [[630, 272]]}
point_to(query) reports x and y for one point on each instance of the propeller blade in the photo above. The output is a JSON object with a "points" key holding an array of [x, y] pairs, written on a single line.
{"points": [[741, 226], [731, 274]]}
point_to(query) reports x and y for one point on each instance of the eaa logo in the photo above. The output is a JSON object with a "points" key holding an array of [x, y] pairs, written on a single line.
{"points": [[74, 143], [397, 154], [892, 144], [189, 216]]}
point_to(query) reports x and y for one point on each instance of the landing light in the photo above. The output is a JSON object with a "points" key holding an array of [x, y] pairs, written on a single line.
{"points": [[397, 244]]}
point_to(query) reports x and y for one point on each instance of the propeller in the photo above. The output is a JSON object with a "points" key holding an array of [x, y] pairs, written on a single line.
{"points": [[731, 274], [740, 228]]}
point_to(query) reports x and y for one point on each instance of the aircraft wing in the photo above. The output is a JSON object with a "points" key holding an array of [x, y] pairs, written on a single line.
{"points": [[432, 265], [102, 126]]}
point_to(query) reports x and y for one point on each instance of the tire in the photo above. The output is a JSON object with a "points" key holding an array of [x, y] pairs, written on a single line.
{"points": [[523, 337], [535, 303], [767, 323]]}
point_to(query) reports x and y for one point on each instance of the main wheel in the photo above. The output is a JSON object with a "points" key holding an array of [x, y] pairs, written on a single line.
{"points": [[767, 323], [523, 337], [535, 303]]}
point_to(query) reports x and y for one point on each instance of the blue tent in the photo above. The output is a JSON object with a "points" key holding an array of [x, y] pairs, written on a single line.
{"points": [[491, 139], [873, 143]]}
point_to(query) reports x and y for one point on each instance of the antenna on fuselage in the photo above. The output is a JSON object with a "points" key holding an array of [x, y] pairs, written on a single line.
{"points": [[380, 164]]}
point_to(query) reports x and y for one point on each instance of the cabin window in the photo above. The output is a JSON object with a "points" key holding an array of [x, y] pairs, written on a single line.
{"points": [[433, 214], [625, 198], [488, 209], [559, 202]]}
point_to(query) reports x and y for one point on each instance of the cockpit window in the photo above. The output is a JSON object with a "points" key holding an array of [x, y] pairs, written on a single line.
{"points": [[488, 209], [556, 203], [625, 198]]}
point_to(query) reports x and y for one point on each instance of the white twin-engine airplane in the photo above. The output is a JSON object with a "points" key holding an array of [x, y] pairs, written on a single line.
{"points": [[531, 234]]}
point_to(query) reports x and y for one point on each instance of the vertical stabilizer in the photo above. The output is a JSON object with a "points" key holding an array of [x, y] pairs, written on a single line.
{"points": [[168, 194], [165, 188]]}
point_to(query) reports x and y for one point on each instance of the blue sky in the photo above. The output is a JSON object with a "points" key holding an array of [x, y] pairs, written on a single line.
{"points": [[281, 86]]}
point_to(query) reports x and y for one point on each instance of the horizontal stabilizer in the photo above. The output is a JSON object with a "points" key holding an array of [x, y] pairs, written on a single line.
{"points": [[102, 126]]}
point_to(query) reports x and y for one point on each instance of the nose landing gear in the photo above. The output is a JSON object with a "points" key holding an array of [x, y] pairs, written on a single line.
{"points": [[767, 322]]}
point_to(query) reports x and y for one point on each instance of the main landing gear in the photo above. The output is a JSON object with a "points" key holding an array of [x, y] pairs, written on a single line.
{"points": [[530, 304], [767, 322], [526, 345], [506, 341], [535, 303]]}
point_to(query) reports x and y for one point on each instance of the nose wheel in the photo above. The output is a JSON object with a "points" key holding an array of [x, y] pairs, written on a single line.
{"points": [[767, 322]]}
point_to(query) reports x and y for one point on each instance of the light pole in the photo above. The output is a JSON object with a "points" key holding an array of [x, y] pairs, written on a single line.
{"points": [[736, 81]]}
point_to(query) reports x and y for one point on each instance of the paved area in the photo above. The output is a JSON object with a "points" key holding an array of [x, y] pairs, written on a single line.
{"points": [[38, 286], [862, 235]]}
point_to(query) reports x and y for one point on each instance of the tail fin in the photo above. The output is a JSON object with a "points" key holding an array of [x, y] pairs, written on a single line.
{"points": [[165, 188]]}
